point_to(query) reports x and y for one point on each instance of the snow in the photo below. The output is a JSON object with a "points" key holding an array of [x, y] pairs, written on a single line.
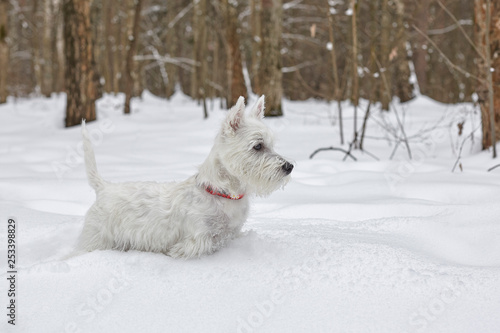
{"points": [[369, 246]]}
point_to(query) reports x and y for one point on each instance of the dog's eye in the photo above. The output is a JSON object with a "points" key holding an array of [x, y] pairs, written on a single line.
{"points": [[258, 147]]}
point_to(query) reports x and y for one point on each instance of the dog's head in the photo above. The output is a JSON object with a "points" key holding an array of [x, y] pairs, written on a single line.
{"points": [[246, 149]]}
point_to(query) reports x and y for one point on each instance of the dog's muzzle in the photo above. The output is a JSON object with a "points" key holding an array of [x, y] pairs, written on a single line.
{"points": [[287, 167]]}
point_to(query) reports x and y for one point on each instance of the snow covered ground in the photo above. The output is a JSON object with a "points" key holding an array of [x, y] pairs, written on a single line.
{"points": [[367, 246]]}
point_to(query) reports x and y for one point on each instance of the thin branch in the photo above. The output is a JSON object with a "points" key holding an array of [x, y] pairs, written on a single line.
{"points": [[348, 152], [448, 61], [333, 148], [449, 28], [401, 127], [308, 88], [460, 150], [161, 64], [370, 154], [181, 62], [182, 13], [301, 37], [461, 29], [291, 4], [494, 167], [291, 69]]}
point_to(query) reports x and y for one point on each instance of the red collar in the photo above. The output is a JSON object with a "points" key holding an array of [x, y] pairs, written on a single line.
{"points": [[212, 191]]}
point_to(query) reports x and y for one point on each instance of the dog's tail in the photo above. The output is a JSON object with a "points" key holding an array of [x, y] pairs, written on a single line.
{"points": [[93, 176]]}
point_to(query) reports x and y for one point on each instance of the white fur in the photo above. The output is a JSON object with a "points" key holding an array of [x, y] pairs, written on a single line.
{"points": [[182, 219]]}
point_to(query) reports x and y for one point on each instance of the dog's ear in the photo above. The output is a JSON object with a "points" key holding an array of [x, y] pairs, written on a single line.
{"points": [[258, 109], [235, 117]]}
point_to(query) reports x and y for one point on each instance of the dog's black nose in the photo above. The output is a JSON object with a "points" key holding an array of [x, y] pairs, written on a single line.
{"points": [[287, 167]]}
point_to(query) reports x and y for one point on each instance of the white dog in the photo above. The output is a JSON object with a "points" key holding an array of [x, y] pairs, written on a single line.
{"points": [[197, 216]]}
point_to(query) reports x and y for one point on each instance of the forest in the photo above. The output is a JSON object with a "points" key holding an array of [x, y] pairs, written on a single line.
{"points": [[334, 50], [366, 200]]}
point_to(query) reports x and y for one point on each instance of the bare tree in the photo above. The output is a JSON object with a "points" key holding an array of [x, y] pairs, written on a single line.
{"points": [[80, 84], [403, 87], [199, 74], [4, 50], [256, 43], [421, 18], [355, 75], [270, 75], [335, 70], [385, 32], [236, 82], [488, 40], [132, 50]]}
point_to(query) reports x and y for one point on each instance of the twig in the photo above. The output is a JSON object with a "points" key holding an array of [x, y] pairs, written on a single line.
{"points": [[348, 152], [493, 167], [447, 60], [400, 124], [460, 150], [307, 87], [461, 29], [394, 150], [333, 148], [370, 154], [363, 128]]}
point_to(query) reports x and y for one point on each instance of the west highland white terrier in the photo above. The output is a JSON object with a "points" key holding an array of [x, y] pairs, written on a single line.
{"points": [[197, 216]]}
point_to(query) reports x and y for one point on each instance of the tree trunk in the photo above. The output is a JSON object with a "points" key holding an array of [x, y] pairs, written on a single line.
{"points": [[36, 49], [404, 89], [236, 81], [420, 45], [58, 56], [171, 42], [270, 75], [79, 70], [385, 32], [4, 50], [488, 41], [256, 43], [47, 50], [335, 72], [199, 74], [129, 65], [355, 79], [110, 44]]}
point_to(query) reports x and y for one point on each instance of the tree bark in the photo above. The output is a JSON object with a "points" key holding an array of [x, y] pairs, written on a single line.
{"points": [[199, 74], [270, 75], [488, 41], [385, 50], [79, 68], [335, 72], [256, 43], [420, 44], [171, 42], [129, 65], [236, 81], [404, 89], [110, 45], [4, 50]]}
